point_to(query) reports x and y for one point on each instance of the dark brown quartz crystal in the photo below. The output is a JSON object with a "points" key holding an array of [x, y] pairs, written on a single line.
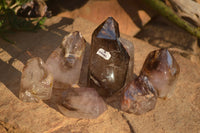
{"points": [[139, 96], [66, 61], [109, 59], [162, 71], [36, 81], [130, 49], [82, 103]]}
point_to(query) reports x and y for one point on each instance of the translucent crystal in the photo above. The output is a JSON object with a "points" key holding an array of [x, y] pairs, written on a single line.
{"points": [[66, 61], [82, 103], [139, 96], [162, 71], [109, 60], [130, 49], [36, 81]]}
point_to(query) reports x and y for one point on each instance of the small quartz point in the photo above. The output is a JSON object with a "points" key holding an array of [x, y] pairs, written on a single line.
{"points": [[36, 81], [82, 103], [139, 96], [109, 59], [162, 71], [66, 61]]}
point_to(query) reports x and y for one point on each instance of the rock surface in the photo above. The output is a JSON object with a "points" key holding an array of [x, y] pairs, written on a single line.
{"points": [[180, 113], [131, 15]]}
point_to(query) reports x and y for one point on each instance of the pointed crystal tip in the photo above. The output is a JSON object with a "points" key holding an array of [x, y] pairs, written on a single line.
{"points": [[163, 70], [108, 29]]}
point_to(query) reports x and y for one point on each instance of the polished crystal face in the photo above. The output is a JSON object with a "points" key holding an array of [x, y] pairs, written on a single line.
{"points": [[36, 81], [162, 70], [109, 60], [139, 96], [82, 103], [66, 61]]}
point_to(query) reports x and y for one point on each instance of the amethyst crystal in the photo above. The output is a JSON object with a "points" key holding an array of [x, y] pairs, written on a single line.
{"points": [[109, 60], [36, 81], [162, 71], [82, 103], [139, 96], [66, 61]]}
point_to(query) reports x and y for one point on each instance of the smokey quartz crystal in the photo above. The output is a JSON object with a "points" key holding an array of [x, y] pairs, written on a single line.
{"points": [[139, 96], [36, 81], [82, 102], [162, 70], [109, 59], [65, 62]]}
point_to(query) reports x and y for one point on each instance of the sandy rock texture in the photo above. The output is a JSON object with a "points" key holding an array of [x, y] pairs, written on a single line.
{"points": [[131, 15], [180, 113]]}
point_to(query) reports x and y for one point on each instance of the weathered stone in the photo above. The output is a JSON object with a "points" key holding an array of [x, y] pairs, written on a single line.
{"points": [[162, 71], [34, 8], [82, 103], [36, 81], [139, 96], [109, 60], [66, 61]]}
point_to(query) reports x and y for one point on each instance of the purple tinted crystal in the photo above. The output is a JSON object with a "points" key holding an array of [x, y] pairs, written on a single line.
{"points": [[162, 71], [82, 103]]}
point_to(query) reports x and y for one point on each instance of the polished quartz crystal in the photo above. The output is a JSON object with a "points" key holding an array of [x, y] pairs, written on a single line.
{"points": [[82, 103], [109, 59], [162, 71], [130, 49], [139, 96], [36, 81], [66, 61]]}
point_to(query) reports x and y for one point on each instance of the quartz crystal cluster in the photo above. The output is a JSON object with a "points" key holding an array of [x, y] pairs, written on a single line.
{"points": [[110, 69], [36, 81], [62, 71], [110, 64], [156, 79]]}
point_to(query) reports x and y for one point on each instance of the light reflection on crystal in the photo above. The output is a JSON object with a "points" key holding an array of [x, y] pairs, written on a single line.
{"points": [[108, 74], [66, 61], [162, 70]]}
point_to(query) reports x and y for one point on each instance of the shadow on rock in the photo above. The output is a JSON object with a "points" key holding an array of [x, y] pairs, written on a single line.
{"points": [[57, 6], [133, 9]]}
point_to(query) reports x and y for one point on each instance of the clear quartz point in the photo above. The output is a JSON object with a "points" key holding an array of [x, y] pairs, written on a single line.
{"points": [[162, 70], [109, 59], [82, 103], [65, 62], [36, 81]]}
